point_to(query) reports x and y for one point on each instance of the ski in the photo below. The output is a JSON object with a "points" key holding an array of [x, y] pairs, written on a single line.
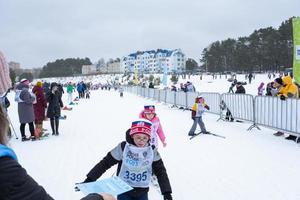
{"points": [[221, 136], [193, 136], [208, 133]]}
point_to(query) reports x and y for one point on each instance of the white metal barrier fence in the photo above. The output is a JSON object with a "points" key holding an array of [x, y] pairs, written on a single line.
{"points": [[213, 101], [262, 110], [241, 106], [275, 113]]}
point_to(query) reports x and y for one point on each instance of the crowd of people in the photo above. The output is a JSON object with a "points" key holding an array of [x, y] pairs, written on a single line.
{"points": [[137, 157]]}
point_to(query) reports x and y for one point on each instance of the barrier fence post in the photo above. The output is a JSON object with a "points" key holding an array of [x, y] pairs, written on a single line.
{"points": [[254, 125]]}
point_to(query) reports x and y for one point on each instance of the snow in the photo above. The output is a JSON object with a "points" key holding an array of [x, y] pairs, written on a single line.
{"points": [[246, 165]]}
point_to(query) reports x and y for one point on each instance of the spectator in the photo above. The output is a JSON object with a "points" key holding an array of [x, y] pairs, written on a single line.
{"points": [[25, 108], [70, 90], [287, 90], [240, 88], [173, 88], [270, 87], [190, 87], [55, 104], [39, 108], [250, 76], [151, 85], [260, 89]]}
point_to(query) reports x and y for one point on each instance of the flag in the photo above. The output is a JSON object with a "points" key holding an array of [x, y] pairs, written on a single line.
{"points": [[296, 55]]}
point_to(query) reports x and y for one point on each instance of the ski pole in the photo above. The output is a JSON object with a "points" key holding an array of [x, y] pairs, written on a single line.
{"points": [[12, 127]]}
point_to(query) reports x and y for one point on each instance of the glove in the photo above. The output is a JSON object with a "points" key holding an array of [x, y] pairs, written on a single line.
{"points": [[282, 97], [168, 196], [207, 107], [193, 118]]}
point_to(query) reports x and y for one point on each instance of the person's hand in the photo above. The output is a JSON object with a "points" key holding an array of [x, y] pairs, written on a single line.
{"points": [[168, 196], [282, 97], [107, 196], [193, 118]]}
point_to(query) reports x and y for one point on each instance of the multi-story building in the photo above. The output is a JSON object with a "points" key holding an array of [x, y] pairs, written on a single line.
{"points": [[14, 65], [154, 61], [111, 67], [88, 69]]}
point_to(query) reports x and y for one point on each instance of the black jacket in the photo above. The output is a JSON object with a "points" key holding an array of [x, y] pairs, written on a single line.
{"points": [[16, 184], [108, 161], [55, 103], [240, 90]]}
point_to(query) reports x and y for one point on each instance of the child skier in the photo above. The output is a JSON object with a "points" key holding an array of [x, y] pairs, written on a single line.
{"points": [[149, 114], [260, 89], [136, 160], [197, 111]]}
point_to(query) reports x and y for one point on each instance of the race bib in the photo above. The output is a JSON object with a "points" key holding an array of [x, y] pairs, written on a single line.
{"points": [[200, 110], [136, 168]]}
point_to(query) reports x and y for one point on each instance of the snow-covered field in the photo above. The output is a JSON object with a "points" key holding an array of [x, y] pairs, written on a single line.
{"points": [[246, 165]]}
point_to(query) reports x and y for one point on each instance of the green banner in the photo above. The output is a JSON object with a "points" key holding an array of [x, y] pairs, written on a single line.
{"points": [[296, 61]]}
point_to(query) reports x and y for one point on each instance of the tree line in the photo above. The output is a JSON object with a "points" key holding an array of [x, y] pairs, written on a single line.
{"points": [[64, 67], [266, 49]]}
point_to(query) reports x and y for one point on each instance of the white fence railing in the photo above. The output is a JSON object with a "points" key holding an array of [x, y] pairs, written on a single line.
{"points": [[260, 110]]}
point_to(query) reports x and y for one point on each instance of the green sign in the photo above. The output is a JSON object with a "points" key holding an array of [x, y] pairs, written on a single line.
{"points": [[296, 60]]}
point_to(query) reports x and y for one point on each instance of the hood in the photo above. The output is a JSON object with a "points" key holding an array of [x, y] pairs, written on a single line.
{"points": [[20, 86], [287, 80]]}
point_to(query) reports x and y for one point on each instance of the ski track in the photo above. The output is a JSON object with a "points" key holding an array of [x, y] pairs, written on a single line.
{"points": [[246, 165]]}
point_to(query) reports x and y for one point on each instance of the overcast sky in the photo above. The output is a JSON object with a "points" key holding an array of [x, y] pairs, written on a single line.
{"points": [[34, 32]]}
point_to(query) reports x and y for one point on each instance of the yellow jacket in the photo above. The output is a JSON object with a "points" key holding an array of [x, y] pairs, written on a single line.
{"points": [[289, 89], [198, 109]]}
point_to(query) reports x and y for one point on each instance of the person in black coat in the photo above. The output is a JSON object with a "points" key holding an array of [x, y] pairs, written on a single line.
{"points": [[137, 143], [240, 88], [151, 85], [15, 183], [55, 104]]}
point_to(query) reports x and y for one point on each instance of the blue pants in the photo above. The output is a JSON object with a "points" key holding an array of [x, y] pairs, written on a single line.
{"points": [[127, 197], [198, 120]]}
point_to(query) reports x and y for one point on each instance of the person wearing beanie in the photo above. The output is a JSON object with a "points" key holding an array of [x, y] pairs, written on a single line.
{"points": [[136, 160], [150, 114], [288, 90], [55, 104], [240, 88], [25, 101], [39, 108], [197, 111]]}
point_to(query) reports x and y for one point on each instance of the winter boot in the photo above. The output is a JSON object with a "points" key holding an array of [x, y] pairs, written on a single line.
{"points": [[24, 138], [52, 126], [56, 126], [278, 133], [37, 132], [291, 137], [33, 138]]}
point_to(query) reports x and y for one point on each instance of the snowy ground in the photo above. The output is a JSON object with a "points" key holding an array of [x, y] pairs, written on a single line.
{"points": [[245, 165]]}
